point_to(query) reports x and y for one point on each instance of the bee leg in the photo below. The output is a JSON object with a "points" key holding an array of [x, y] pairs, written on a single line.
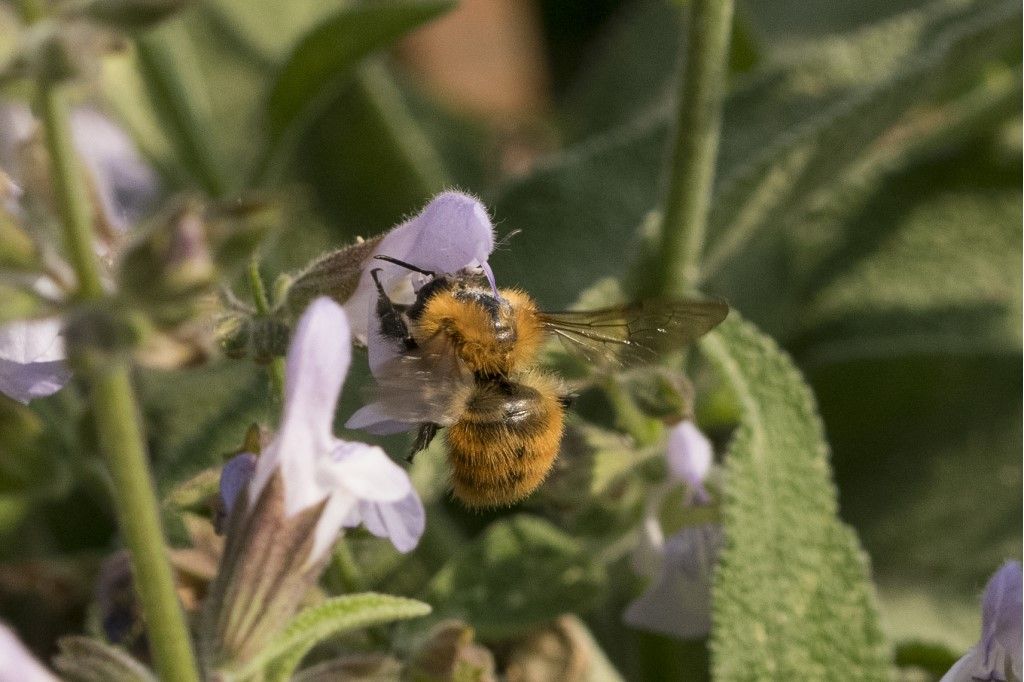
{"points": [[423, 437], [392, 325]]}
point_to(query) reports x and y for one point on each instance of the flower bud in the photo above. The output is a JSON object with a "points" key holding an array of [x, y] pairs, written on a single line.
{"points": [[450, 653], [335, 274], [169, 266]]}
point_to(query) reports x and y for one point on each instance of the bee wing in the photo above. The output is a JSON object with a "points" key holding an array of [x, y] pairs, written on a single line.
{"points": [[636, 333], [418, 387]]}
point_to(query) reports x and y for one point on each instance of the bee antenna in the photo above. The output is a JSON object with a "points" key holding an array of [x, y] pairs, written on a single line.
{"points": [[407, 266]]}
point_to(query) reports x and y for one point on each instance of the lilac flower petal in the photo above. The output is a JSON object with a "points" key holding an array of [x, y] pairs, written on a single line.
{"points": [[689, 457], [17, 664], [678, 603], [1001, 629], [401, 522], [235, 475], [125, 184], [32, 359], [318, 359], [452, 232]]}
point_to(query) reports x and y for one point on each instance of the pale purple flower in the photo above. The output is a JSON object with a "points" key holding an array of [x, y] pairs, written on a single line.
{"points": [[234, 478], [125, 185], [678, 601], [997, 656], [358, 481], [689, 458], [32, 359], [452, 233], [17, 664]]}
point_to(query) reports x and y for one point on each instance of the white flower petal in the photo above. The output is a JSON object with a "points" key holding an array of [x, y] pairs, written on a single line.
{"points": [[373, 419], [451, 233], [402, 522], [32, 341], [689, 457], [649, 551], [678, 603], [318, 359], [367, 473], [339, 507], [17, 664]]}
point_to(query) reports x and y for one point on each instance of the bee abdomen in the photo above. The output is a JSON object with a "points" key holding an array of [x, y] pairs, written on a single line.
{"points": [[498, 462]]}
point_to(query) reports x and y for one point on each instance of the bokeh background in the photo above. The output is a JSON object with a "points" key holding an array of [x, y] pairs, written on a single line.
{"points": [[867, 215]]}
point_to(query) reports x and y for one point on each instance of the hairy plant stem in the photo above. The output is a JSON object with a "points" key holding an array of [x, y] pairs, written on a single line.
{"points": [[114, 406], [698, 124], [259, 296]]}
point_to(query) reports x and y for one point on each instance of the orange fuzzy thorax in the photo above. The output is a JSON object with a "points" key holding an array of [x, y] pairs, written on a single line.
{"points": [[473, 333]]}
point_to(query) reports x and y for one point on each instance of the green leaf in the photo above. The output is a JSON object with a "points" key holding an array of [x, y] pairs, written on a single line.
{"points": [[330, 52], [792, 599], [167, 61], [927, 454], [83, 659], [331, 618], [899, 298], [806, 119], [866, 123], [521, 572]]}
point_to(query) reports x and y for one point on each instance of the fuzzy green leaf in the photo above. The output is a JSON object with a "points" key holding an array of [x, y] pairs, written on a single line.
{"points": [[901, 299], [793, 129], [792, 599], [330, 52], [82, 659], [331, 618], [521, 572]]}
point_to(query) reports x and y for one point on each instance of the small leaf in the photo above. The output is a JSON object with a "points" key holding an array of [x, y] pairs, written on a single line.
{"points": [[484, 583], [82, 659], [331, 51], [332, 617], [792, 599]]}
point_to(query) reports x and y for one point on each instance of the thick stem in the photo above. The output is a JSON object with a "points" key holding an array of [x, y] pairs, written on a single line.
{"points": [[698, 124], [117, 419]]}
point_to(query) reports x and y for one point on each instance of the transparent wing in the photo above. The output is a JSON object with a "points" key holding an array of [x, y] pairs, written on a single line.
{"points": [[422, 386], [637, 333]]}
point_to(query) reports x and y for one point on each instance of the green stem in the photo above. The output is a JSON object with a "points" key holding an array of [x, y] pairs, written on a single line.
{"points": [[120, 435], [698, 125], [70, 191], [259, 296], [117, 420]]}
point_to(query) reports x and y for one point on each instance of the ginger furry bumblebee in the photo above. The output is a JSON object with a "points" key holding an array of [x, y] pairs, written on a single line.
{"points": [[469, 363]]}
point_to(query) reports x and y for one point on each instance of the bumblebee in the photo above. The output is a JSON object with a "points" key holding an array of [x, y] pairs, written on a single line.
{"points": [[469, 363]]}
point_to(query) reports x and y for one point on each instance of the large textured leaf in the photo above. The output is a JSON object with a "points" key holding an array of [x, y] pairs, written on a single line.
{"points": [[936, 282], [779, 129], [792, 599], [332, 617], [521, 572], [331, 51]]}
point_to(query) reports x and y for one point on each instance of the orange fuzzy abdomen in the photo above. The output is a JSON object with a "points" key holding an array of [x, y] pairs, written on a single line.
{"points": [[497, 461]]}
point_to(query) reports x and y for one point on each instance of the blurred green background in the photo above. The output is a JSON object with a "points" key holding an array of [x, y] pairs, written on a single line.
{"points": [[867, 214]]}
